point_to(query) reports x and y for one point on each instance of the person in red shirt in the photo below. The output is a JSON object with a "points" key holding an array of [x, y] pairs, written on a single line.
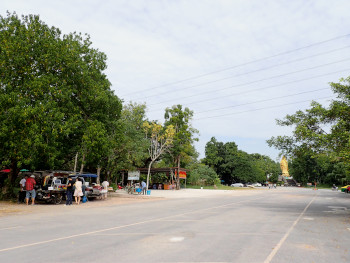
{"points": [[30, 191]]}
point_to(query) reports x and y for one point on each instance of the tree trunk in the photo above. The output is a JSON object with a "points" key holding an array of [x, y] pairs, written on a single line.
{"points": [[98, 175], [148, 173], [7, 190], [75, 163], [108, 175], [178, 174], [171, 176], [82, 164]]}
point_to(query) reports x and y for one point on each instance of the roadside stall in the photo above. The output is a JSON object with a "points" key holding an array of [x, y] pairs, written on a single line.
{"points": [[53, 187], [171, 180]]}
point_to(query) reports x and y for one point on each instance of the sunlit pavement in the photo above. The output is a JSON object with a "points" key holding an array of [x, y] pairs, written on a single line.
{"points": [[276, 225]]}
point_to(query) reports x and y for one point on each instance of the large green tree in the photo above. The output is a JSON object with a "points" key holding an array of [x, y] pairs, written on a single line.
{"points": [[319, 131], [132, 146], [55, 99], [234, 165], [182, 149]]}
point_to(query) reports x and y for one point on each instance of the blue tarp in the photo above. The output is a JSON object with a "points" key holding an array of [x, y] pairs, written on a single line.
{"points": [[87, 175]]}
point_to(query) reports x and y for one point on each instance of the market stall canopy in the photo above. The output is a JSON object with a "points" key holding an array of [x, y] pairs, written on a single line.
{"points": [[87, 175]]}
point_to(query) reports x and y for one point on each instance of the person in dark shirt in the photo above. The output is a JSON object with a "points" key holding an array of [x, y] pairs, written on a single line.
{"points": [[69, 192]]}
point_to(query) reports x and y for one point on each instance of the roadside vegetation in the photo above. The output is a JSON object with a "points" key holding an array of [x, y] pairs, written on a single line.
{"points": [[58, 112], [318, 150]]}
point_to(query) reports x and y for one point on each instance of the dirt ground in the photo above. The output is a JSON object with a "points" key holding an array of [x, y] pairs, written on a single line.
{"points": [[119, 198], [12, 208]]}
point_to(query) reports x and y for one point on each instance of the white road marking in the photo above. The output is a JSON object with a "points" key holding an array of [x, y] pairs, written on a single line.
{"points": [[308, 218], [280, 243], [173, 220], [9, 227], [338, 207], [177, 239]]}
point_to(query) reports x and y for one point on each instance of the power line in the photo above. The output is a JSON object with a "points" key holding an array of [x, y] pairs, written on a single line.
{"points": [[256, 81], [259, 101], [264, 108], [240, 65], [257, 89], [246, 73]]}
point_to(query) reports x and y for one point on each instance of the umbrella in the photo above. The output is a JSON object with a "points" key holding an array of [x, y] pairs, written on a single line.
{"points": [[24, 170], [5, 171]]}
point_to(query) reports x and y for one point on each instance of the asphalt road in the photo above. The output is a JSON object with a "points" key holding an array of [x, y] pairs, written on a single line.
{"points": [[277, 225]]}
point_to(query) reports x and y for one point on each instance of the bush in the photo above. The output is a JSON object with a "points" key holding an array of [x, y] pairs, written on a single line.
{"points": [[203, 175]]}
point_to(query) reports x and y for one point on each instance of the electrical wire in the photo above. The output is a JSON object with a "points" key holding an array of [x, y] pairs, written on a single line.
{"points": [[240, 65], [257, 89], [255, 81], [246, 73], [259, 101], [264, 108]]}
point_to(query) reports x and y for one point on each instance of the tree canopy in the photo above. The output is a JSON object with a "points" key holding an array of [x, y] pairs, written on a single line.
{"points": [[321, 135], [234, 165], [55, 99]]}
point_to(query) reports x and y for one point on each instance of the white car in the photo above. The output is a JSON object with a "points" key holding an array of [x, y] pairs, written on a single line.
{"points": [[237, 185], [257, 184]]}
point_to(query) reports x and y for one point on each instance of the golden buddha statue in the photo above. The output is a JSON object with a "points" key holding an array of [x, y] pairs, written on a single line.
{"points": [[284, 166]]}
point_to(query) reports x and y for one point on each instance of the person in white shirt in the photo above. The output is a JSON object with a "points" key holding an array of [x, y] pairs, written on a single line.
{"points": [[78, 192], [22, 191], [105, 185]]}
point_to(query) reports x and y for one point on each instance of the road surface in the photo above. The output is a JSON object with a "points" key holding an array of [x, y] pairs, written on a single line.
{"points": [[278, 225]]}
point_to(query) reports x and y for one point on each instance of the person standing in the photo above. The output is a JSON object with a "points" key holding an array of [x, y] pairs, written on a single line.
{"points": [[30, 191], [78, 192], [69, 192], [22, 191], [105, 185], [144, 186]]}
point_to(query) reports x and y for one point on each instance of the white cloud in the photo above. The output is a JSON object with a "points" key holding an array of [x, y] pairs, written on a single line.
{"points": [[152, 43]]}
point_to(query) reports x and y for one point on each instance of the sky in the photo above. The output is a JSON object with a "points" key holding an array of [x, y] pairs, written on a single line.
{"points": [[238, 64]]}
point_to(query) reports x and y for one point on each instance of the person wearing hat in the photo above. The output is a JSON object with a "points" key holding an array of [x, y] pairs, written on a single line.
{"points": [[30, 191]]}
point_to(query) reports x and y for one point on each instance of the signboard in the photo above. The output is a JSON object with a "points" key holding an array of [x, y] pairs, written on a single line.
{"points": [[133, 175], [183, 174]]}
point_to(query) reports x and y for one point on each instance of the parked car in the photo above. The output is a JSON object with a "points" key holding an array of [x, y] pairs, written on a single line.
{"points": [[257, 184], [237, 185], [90, 188]]}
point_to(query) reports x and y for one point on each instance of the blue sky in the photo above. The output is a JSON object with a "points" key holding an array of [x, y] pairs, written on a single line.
{"points": [[225, 60]]}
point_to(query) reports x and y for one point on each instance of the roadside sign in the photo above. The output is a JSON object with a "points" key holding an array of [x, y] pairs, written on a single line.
{"points": [[133, 175]]}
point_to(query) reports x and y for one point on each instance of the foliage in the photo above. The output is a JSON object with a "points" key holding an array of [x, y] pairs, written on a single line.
{"points": [[201, 174], [55, 99], [233, 165], [320, 140], [160, 140], [214, 153], [182, 150], [132, 147]]}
